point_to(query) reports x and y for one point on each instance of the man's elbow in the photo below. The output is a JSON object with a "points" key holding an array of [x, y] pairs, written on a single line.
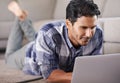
{"points": [[50, 80]]}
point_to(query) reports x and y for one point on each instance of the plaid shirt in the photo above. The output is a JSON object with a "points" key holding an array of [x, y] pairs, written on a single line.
{"points": [[52, 50]]}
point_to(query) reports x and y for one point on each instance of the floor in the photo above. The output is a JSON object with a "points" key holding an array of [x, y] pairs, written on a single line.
{"points": [[13, 75]]}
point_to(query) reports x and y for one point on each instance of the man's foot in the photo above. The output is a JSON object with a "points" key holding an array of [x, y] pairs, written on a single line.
{"points": [[15, 9]]}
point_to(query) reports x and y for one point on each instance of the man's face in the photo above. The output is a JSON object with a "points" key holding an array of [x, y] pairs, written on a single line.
{"points": [[82, 30]]}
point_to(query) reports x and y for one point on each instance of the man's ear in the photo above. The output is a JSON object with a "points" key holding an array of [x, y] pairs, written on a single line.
{"points": [[68, 23]]}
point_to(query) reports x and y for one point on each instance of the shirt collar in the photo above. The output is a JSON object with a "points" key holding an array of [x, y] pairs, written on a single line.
{"points": [[68, 40]]}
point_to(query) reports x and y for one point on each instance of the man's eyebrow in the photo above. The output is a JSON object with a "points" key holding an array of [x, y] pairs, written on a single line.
{"points": [[88, 27]]}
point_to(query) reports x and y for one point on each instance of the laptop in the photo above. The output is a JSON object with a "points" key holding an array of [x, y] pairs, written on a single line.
{"points": [[97, 69]]}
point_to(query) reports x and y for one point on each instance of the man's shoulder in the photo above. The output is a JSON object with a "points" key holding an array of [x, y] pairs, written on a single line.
{"points": [[51, 31], [99, 29], [98, 34], [53, 25]]}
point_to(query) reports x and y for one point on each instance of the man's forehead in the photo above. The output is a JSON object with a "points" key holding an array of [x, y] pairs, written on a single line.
{"points": [[86, 21]]}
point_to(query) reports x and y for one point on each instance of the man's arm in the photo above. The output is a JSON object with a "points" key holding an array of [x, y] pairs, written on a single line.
{"points": [[59, 76], [46, 44]]}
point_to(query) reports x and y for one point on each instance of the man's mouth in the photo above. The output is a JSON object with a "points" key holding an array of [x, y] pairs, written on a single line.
{"points": [[85, 39]]}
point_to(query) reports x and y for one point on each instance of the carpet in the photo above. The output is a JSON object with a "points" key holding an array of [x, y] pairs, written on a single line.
{"points": [[9, 75]]}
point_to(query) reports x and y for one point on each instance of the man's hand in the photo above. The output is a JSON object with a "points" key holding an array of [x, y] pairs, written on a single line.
{"points": [[59, 76]]}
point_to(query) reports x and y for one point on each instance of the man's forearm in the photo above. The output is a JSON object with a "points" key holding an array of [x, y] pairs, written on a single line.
{"points": [[59, 76]]}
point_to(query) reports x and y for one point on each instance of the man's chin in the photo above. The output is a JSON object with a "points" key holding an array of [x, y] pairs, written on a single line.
{"points": [[84, 43]]}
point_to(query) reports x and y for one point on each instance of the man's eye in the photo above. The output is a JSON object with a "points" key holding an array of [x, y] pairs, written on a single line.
{"points": [[84, 27]]}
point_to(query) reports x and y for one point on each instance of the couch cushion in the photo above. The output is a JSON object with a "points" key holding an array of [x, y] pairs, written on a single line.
{"points": [[3, 43], [38, 9], [111, 8], [5, 15], [111, 48], [100, 22], [39, 24], [112, 29], [60, 9], [10, 75], [5, 28], [101, 4]]}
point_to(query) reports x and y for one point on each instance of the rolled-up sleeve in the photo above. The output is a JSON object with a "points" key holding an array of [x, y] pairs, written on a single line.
{"points": [[45, 54]]}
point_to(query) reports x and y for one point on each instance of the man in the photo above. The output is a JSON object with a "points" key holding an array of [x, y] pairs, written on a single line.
{"points": [[57, 44]]}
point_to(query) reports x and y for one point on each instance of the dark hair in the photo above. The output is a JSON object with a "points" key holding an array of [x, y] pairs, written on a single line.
{"points": [[78, 8]]}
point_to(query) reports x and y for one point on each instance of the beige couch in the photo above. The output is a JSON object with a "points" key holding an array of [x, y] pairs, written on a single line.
{"points": [[43, 11], [111, 30]]}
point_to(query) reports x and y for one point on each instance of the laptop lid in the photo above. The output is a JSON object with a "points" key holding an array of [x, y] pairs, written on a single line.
{"points": [[97, 69]]}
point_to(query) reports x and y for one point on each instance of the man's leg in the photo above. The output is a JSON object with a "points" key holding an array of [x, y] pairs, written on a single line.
{"points": [[14, 43], [26, 24], [15, 53], [28, 29]]}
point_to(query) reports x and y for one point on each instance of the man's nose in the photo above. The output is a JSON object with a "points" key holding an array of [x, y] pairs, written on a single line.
{"points": [[89, 33]]}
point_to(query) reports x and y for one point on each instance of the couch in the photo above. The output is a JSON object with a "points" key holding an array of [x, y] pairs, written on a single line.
{"points": [[43, 11]]}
